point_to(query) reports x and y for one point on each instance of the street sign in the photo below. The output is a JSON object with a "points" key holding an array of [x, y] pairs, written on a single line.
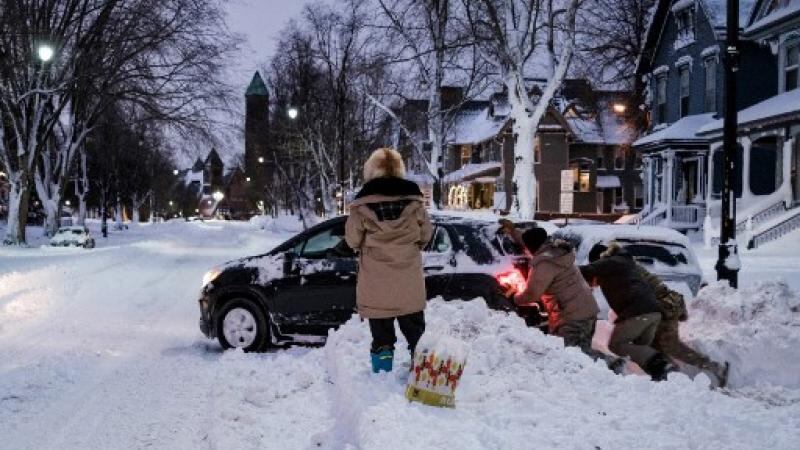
{"points": [[567, 180], [565, 204]]}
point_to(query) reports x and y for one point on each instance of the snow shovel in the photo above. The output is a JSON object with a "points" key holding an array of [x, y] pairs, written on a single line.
{"points": [[436, 369]]}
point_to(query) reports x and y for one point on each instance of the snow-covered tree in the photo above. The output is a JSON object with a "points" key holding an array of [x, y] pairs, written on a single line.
{"points": [[524, 39]]}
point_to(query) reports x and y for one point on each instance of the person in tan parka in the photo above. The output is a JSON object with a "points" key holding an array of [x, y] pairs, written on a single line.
{"points": [[388, 225]]}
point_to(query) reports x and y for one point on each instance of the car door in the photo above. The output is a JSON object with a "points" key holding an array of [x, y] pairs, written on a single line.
{"points": [[318, 290], [438, 260]]}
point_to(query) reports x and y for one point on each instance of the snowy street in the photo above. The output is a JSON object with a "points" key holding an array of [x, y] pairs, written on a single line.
{"points": [[101, 349]]}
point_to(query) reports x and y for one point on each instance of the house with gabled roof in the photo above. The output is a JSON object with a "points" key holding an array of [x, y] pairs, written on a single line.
{"points": [[681, 65], [588, 137], [768, 180]]}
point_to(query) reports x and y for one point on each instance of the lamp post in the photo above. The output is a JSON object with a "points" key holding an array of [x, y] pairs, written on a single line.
{"points": [[728, 262]]}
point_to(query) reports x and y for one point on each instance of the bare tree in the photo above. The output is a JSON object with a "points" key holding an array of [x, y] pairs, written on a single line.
{"points": [[521, 38], [163, 57]]}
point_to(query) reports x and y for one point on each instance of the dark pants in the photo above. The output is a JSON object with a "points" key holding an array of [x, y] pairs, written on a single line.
{"points": [[579, 333], [411, 325]]}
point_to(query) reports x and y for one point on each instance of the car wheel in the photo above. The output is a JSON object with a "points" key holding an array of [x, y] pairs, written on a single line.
{"points": [[241, 323]]}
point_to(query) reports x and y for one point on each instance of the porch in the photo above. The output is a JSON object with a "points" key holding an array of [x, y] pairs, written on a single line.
{"points": [[675, 188]]}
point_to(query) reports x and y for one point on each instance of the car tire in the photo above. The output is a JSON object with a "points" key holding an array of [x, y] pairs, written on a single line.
{"points": [[241, 323], [89, 244]]}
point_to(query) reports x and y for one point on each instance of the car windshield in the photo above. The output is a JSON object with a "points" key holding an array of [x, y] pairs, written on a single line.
{"points": [[77, 232]]}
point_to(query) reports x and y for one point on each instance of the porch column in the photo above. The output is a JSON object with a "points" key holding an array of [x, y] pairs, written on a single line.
{"points": [[669, 182], [710, 174], [648, 181], [746, 146]]}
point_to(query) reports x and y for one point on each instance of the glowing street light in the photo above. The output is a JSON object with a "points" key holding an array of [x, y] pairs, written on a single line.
{"points": [[218, 196], [292, 113], [170, 203], [261, 160], [67, 202], [619, 108], [247, 179], [175, 171], [45, 52]]}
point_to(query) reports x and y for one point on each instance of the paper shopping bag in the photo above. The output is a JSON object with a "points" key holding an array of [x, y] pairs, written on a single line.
{"points": [[436, 370]]}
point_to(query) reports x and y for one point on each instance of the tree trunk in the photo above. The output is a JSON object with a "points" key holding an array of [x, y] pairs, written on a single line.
{"points": [[18, 198], [118, 214], [525, 125]]}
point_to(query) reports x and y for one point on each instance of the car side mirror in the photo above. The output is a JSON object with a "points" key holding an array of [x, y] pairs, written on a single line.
{"points": [[288, 262]]}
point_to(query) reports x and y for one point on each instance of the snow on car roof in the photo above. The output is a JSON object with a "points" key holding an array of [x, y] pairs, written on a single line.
{"points": [[607, 233]]}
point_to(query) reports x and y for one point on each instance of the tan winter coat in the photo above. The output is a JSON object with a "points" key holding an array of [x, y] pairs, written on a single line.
{"points": [[391, 282], [556, 281]]}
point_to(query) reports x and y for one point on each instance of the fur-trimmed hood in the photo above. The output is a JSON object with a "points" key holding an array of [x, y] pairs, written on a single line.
{"points": [[384, 162]]}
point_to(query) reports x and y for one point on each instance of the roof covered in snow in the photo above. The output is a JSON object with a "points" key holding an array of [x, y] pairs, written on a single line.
{"points": [[717, 12], [789, 11], [773, 108], [474, 126], [683, 130], [469, 171]]}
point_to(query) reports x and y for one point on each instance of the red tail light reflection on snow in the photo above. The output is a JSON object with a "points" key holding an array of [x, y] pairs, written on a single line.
{"points": [[512, 278]]}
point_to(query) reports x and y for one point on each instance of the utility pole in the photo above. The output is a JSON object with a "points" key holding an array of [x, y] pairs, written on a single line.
{"points": [[728, 263]]}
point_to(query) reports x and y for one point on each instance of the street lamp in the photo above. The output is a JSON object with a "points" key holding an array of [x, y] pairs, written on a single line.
{"points": [[261, 160], [45, 52], [217, 196], [292, 113], [728, 259], [619, 108], [170, 203], [175, 171], [67, 202]]}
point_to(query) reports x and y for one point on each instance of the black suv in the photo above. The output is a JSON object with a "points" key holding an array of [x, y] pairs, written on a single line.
{"points": [[307, 285]]}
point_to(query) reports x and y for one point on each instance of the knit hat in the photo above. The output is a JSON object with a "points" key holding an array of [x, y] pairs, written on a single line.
{"points": [[534, 238]]}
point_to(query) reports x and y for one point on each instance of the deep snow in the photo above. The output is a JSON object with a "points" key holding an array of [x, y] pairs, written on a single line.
{"points": [[100, 349]]}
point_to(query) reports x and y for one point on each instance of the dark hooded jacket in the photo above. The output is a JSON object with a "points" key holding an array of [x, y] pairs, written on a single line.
{"points": [[623, 285], [556, 282]]}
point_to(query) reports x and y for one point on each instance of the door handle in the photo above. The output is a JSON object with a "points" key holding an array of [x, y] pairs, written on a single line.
{"points": [[433, 268]]}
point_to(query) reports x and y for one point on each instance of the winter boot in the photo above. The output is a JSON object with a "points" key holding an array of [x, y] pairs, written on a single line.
{"points": [[617, 365], [721, 373], [382, 360], [658, 367]]}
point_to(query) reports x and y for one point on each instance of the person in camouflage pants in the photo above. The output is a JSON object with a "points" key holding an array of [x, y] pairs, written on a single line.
{"points": [[667, 339], [578, 333]]}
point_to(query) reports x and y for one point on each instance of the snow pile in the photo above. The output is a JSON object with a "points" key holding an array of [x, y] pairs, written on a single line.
{"points": [[280, 224], [520, 389], [756, 329]]}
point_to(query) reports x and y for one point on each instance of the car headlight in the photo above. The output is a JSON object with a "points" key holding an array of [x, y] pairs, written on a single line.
{"points": [[210, 276]]}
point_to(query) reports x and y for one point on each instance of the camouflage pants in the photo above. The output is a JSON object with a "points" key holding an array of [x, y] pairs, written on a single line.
{"points": [[668, 341], [578, 333]]}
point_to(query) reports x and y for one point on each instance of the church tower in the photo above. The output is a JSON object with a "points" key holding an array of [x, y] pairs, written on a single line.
{"points": [[256, 135]]}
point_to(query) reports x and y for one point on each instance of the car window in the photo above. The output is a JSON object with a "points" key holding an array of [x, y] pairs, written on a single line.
{"points": [[77, 232], [650, 253], [440, 243], [326, 241]]}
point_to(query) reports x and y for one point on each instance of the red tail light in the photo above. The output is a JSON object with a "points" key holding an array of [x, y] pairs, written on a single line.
{"points": [[513, 279]]}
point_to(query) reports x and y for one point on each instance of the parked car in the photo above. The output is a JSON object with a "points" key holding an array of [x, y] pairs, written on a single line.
{"points": [[307, 285], [72, 236], [663, 251]]}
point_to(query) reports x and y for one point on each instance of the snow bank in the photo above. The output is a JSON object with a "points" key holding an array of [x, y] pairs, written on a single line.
{"points": [[281, 224], [520, 389], [756, 329]]}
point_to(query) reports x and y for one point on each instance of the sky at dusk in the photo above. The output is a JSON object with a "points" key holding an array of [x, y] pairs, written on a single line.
{"points": [[260, 22]]}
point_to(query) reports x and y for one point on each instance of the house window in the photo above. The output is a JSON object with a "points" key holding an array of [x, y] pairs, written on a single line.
{"points": [[791, 66], [466, 155], [581, 174], [600, 165], [764, 178], [710, 97], [618, 197], [661, 99], [684, 76], [684, 18]]}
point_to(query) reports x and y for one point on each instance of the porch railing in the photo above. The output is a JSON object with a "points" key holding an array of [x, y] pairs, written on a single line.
{"points": [[654, 218], [774, 232], [762, 215], [688, 214]]}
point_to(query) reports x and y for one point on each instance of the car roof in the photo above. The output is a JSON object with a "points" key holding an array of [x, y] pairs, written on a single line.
{"points": [[607, 233]]}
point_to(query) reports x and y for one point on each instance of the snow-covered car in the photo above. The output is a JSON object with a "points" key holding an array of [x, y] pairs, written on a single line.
{"points": [[72, 236], [663, 251], [307, 285]]}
